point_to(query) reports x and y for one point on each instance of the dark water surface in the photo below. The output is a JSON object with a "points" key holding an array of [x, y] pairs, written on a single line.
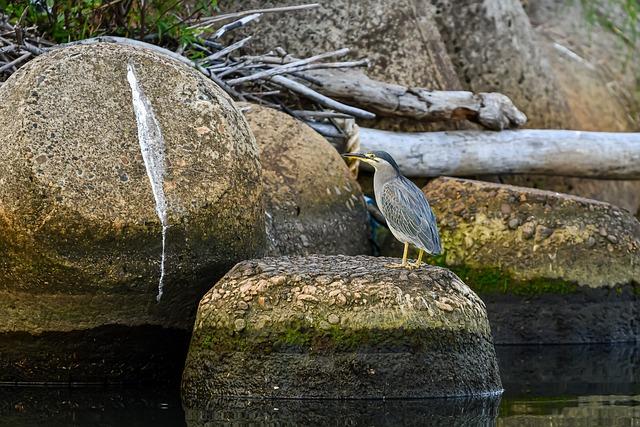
{"points": [[551, 386]]}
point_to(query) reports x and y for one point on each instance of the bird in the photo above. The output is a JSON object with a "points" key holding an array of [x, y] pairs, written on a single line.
{"points": [[405, 208]]}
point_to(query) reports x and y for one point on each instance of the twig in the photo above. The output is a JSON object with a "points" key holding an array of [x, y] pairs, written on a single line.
{"points": [[282, 69], [225, 51], [235, 24], [212, 19], [321, 114], [321, 99], [15, 62]]}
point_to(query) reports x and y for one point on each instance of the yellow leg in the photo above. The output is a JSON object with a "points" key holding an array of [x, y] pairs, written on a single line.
{"points": [[404, 258], [405, 254], [418, 261]]}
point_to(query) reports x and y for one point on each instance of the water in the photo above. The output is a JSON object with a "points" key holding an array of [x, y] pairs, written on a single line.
{"points": [[152, 148], [545, 386]]}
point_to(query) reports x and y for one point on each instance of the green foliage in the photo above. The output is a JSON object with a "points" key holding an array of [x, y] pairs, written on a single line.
{"points": [[160, 21], [621, 17]]}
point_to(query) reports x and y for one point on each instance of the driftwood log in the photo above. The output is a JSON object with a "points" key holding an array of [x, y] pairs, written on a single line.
{"points": [[601, 155], [492, 110]]}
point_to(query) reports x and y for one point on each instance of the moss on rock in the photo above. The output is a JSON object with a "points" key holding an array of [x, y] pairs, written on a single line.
{"points": [[534, 237], [552, 268]]}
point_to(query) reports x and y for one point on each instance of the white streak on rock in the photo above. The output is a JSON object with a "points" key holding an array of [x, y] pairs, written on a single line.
{"points": [[152, 148]]}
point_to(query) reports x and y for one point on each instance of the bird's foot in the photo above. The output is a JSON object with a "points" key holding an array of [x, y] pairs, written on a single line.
{"points": [[403, 265]]}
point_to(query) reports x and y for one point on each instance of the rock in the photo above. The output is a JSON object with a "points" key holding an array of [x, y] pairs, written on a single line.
{"points": [[401, 39], [333, 319], [493, 48], [313, 204], [80, 239], [558, 278], [514, 223], [424, 336], [596, 73], [597, 77]]}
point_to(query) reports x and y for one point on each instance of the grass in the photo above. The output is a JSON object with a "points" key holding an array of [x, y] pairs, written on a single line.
{"points": [[162, 22]]}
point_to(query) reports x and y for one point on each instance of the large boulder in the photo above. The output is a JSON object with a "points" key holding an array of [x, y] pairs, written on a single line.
{"points": [[80, 237], [338, 327], [313, 204], [493, 48], [597, 76], [550, 267], [400, 38], [595, 69]]}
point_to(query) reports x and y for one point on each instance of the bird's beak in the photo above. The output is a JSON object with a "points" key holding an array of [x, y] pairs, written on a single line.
{"points": [[354, 156]]}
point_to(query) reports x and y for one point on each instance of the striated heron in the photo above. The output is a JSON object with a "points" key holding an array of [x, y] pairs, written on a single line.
{"points": [[403, 205]]}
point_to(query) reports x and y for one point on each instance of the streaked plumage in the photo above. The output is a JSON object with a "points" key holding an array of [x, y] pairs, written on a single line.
{"points": [[403, 205], [409, 215]]}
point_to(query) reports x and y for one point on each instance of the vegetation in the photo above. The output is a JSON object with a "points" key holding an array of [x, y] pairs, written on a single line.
{"points": [[492, 280], [163, 22], [621, 17]]}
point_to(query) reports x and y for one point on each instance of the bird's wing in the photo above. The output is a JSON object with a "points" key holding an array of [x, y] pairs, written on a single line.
{"points": [[408, 212]]}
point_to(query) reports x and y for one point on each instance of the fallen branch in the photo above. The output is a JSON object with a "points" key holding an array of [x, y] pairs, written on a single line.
{"points": [[291, 65], [492, 110], [242, 77], [600, 155]]}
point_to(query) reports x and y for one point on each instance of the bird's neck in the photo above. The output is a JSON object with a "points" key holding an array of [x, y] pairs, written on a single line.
{"points": [[383, 174]]}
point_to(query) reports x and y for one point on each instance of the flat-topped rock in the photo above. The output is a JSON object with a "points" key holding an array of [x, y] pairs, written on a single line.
{"points": [[551, 267], [338, 327]]}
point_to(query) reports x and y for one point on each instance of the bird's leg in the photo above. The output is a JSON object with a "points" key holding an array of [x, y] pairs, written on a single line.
{"points": [[404, 258], [418, 261]]}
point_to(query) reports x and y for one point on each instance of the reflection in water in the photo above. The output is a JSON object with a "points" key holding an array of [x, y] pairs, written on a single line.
{"points": [[89, 407], [545, 386], [570, 385], [575, 370], [582, 411], [432, 412]]}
